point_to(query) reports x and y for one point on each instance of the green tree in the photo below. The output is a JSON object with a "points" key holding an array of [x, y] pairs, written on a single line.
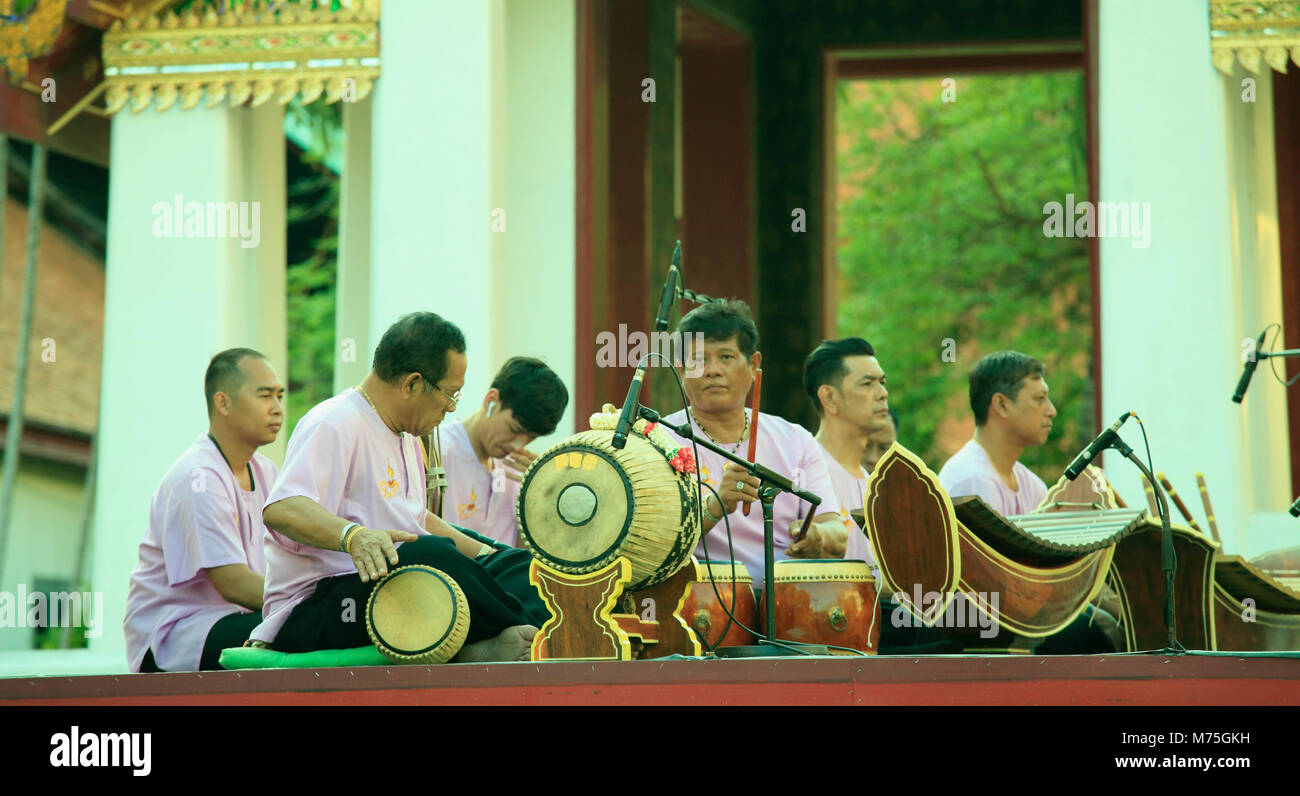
{"points": [[941, 236]]}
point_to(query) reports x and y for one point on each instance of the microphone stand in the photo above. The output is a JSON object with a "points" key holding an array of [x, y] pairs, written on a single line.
{"points": [[771, 484], [1168, 563]]}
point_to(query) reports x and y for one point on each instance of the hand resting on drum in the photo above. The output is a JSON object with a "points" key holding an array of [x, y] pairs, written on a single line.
{"points": [[372, 550], [826, 538]]}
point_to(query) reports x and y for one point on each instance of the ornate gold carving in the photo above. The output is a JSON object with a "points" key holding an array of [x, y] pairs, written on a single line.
{"points": [[27, 34], [253, 52], [1251, 32]]}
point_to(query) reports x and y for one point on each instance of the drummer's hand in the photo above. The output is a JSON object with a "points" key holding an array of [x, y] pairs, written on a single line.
{"points": [[372, 551], [517, 462], [826, 538], [738, 486]]}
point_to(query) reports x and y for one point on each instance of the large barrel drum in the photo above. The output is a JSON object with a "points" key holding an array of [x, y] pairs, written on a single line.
{"points": [[583, 503]]}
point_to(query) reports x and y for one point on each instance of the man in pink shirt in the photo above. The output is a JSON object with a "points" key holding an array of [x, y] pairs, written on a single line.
{"points": [[1008, 395], [197, 588], [846, 385], [484, 455], [350, 503], [725, 363]]}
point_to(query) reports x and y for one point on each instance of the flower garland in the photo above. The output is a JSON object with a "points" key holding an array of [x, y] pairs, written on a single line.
{"points": [[681, 458]]}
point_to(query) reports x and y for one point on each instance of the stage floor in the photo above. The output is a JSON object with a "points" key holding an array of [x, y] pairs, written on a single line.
{"points": [[1198, 679]]}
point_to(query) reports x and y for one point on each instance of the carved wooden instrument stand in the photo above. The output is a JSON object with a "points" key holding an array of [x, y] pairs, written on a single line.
{"points": [[585, 626]]}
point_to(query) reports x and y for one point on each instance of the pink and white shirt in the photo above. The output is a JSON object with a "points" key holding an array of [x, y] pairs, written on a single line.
{"points": [[786, 448], [476, 498], [343, 457], [970, 471], [200, 518], [851, 491]]}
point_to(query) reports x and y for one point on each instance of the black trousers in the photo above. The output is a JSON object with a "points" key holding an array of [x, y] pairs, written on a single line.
{"points": [[496, 588], [229, 631]]}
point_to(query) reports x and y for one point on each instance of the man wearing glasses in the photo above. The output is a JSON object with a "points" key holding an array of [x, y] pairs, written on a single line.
{"points": [[349, 505]]}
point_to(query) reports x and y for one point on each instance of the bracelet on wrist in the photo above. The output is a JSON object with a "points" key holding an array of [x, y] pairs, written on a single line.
{"points": [[343, 535]]}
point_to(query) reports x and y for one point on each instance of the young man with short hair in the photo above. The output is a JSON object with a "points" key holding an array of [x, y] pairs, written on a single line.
{"points": [[484, 455]]}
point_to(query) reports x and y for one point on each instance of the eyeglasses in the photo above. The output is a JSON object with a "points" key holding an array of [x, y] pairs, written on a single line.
{"points": [[455, 399]]}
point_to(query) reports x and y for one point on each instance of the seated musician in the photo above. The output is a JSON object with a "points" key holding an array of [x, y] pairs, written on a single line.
{"points": [[725, 364], [484, 455], [1008, 394], [846, 386], [879, 441], [350, 504], [197, 587]]}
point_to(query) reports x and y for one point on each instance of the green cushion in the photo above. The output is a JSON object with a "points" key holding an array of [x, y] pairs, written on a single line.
{"points": [[253, 658]]}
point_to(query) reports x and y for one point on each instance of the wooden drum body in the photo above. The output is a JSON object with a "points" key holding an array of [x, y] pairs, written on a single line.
{"points": [[826, 601], [707, 616], [417, 614], [583, 503]]}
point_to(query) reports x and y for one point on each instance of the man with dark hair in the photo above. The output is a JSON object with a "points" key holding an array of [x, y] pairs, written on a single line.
{"points": [[350, 503], [879, 441], [197, 586], [846, 385], [1008, 394], [484, 455], [725, 362]]}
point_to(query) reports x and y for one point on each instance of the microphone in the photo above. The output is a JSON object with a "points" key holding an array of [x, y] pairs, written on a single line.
{"points": [[629, 406], [1295, 508], [633, 399], [671, 288], [1248, 370], [1101, 443]]}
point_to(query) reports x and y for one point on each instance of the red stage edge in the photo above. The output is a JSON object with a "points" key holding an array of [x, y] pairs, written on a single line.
{"points": [[1223, 679]]}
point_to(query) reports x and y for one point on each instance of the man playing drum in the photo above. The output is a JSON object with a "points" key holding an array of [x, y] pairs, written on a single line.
{"points": [[846, 386], [725, 362], [484, 455], [197, 588], [350, 503]]}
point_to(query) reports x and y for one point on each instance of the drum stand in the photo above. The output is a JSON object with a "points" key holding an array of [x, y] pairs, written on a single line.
{"points": [[585, 626]]}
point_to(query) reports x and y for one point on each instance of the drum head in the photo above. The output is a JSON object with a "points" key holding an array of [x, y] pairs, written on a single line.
{"points": [[576, 508], [417, 614]]}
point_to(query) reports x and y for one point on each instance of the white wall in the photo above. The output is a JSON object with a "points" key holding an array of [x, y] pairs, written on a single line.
{"points": [[1173, 314]]}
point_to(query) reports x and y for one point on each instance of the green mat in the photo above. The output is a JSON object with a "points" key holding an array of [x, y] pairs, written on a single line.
{"points": [[253, 658]]}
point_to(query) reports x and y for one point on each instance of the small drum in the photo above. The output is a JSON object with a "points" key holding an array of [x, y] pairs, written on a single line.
{"points": [[708, 616], [417, 614], [826, 601], [584, 503]]}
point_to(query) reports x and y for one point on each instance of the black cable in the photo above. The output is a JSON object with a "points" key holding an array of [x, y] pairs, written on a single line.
{"points": [[1160, 496]]}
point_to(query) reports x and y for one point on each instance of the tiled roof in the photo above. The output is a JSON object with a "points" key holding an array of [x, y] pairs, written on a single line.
{"points": [[69, 311]]}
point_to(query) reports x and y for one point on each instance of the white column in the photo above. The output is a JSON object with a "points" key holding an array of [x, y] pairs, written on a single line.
{"points": [[173, 302], [1173, 314], [541, 82], [475, 130], [352, 342], [431, 175]]}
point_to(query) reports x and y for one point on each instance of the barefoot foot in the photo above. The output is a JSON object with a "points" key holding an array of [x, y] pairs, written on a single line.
{"points": [[512, 644]]}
